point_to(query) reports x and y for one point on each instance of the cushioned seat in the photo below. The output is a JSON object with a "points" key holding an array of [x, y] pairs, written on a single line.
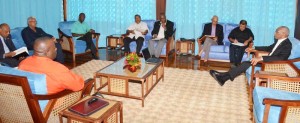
{"points": [[71, 44], [260, 93], [221, 52]]}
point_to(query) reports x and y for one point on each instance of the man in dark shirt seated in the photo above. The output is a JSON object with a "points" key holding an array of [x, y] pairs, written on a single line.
{"points": [[7, 47], [31, 32], [239, 35]]}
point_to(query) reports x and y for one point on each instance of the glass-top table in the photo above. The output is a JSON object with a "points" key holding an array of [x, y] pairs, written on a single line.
{"points": [[117, 79]]}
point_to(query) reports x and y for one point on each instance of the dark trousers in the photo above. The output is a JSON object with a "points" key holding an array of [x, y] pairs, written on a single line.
{"points": [[234, 72], [236, 54], [11, 62], [89, 43], [139, 43], [59, 55]]}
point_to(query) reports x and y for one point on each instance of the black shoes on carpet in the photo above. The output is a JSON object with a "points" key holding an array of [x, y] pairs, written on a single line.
{"points": [[221, 78]]}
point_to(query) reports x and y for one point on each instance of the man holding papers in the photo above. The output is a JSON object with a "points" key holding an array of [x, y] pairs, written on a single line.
{"points": [[212, 35], [136, 32], [7, 47], [162, 30], [240, 37]]}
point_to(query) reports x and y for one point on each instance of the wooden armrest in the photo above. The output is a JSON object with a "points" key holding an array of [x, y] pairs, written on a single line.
{"points": [[278, 102], [276, 77], [53, 96], [63, 34]]}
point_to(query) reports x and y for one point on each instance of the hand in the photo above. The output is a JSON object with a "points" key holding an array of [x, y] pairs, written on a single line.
{"points": [[10, 54], [235, 41], [132, 31], [155, 36], [249, 49], [92, 31], [255, 60], [215, 38]]}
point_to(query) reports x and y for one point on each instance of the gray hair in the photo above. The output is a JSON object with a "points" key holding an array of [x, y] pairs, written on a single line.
{"points": [[215, 16], [285, 30], [30, 18]]}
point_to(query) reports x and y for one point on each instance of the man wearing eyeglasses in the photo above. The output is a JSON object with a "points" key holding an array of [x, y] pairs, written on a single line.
{"points": [[212, 35], [31, 32]]}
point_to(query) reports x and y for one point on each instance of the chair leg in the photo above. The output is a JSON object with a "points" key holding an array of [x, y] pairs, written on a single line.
{"points": [[74, 60]]}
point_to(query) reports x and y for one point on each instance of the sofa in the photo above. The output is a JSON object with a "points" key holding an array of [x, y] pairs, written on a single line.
{"points": [[167, 50], [221, 52]]}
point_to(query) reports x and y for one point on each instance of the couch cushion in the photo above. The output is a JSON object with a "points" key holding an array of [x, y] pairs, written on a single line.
{"points": [[37, 82], [217, 48], [295, 53], [260, 93]]}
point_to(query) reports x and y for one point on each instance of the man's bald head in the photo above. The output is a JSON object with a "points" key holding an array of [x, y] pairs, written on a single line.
{"points": [[44, 47], [4, 30]]}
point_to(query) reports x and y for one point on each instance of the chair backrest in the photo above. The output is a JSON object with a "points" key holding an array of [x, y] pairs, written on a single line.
{"points": [[66, 26], [15, 94], [16, 37]]}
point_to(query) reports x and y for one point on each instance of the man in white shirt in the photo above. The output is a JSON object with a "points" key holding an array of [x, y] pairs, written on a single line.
{"points": [[279, 50], [136, 32], [7, 47], [162, 30]]}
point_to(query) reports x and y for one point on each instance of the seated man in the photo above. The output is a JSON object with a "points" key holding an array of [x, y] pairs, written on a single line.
{"points": [[136, 32], [240, 34], [162, 30], [31, 32], [7, 47], [58, 77], [213, 30], [81, 30], [279, 50]]}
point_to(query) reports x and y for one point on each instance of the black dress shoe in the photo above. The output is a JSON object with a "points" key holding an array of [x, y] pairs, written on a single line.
{"points": [[218, 77]]}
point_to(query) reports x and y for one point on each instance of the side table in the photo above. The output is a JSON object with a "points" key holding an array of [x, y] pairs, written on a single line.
{"points": [[114, 41], [185, 47], [108, 114]]}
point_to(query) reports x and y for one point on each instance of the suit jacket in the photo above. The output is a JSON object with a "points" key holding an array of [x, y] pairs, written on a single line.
{"points": [[168, 33], [219, 32], [282, 52], [9, 44]]}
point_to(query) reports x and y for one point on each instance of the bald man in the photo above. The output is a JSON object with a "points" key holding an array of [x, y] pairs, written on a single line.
{"points": [[279, 50], [214, 30], [7, 47], [58, 76]]}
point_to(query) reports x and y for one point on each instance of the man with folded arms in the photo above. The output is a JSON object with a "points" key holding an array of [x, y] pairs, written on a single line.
{"points": [[58, 77], [7, 47], [82, 31], [31, 32], [136, 32], [215, 35], [279, 50]]}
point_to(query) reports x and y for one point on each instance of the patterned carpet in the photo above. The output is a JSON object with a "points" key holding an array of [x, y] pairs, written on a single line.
{"points": [[185, 96]]}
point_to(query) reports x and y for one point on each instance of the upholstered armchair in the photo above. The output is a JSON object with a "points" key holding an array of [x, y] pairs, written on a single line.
{"points": [[17, 39], [24, 98], [70, 44], [279, 101], [168, 49]]}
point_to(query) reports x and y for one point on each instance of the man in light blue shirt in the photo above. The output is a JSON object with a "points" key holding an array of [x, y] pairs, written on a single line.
{"points": [[81, 30]]}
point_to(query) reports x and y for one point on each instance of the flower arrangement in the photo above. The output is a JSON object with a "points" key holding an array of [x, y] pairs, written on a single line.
{"points": [[132, 62]]}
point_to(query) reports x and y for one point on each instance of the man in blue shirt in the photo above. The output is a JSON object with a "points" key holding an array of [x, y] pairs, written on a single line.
{"points": [[84, 32], [31, 32]]}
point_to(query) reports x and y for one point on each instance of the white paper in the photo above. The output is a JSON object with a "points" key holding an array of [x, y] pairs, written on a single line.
{"points": [[238, 44], [21, 50]]}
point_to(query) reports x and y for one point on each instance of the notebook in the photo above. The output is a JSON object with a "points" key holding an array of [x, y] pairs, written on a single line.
{"points": [[147, 57], [89, 106]]}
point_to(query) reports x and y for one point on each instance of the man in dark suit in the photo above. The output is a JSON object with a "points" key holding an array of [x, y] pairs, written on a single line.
{"points": [[162, 30], [7, 47], [31, 32], [214, 35], [279, 50]]}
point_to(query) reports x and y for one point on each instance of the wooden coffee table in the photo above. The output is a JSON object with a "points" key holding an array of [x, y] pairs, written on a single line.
{"points": [[114, 80], [112, 113]]}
